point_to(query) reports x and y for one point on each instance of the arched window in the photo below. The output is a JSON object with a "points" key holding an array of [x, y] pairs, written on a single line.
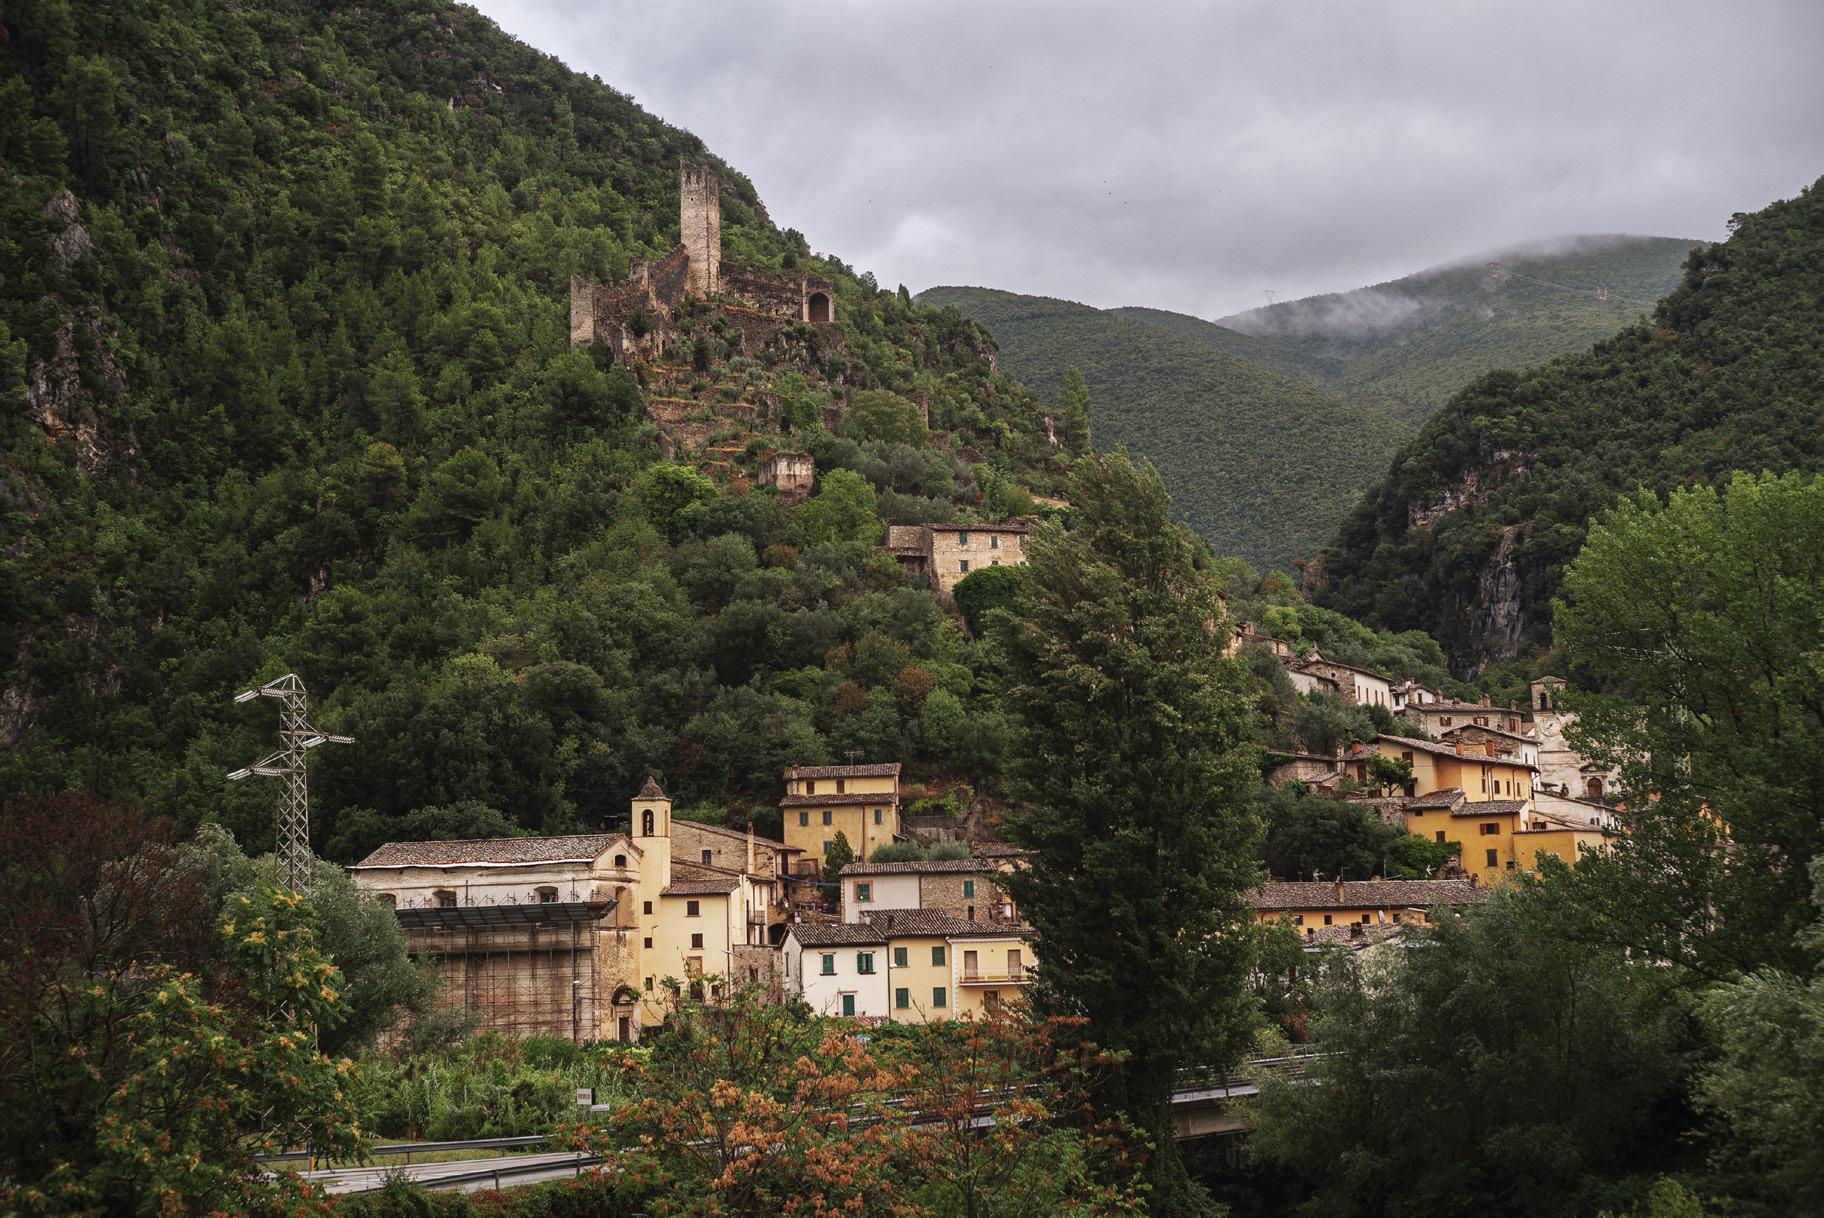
{"points": [[444, 898], [1593, 787], [646, 823], [387, 899], [620, 860], [817, 308]]}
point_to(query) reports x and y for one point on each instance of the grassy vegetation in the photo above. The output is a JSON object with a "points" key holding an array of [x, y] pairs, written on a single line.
{"points": [[1262, 464]]}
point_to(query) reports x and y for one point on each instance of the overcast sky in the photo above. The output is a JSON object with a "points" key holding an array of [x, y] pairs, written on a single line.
{"points": [[1196, 156]]}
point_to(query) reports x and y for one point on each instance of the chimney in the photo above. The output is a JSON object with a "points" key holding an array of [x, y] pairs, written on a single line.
{"points": [[1310, 934], [1490, 746], [1474, 882], [1355, 930], [1459, 746], [1339, 889]]}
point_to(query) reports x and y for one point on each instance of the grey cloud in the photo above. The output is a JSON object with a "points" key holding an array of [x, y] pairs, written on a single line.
{"points": [[1194, 156]]}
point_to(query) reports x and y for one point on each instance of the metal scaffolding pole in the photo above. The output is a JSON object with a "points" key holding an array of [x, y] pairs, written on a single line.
{"points": [[293, 841]]}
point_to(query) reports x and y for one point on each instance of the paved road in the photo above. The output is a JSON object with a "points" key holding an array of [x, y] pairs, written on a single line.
{"points": [[464, 1175]]}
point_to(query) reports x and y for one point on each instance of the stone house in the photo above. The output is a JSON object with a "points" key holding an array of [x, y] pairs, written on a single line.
{"points": [[1561, 768], [945, 553], [1436, 718], [1354, 685], [789, 473], [859, 801], [577, 936], [1315, 904], [958, 888]]}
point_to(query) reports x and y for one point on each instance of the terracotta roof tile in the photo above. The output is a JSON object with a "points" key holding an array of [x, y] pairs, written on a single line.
{"points": [[927, 867], [897, 923], [835, 934], [495, 851], [700, 888], [885, 769], [834, 800], [1278, 895], [1490, 807]]}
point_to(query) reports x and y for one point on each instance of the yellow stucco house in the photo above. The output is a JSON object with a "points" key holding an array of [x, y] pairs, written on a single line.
{"points": [[859, 801], [1498, 837], [1310, 906], [940, 966]]}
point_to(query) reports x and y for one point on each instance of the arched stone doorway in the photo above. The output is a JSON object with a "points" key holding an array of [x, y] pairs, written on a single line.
{"points": [[817, 307]]}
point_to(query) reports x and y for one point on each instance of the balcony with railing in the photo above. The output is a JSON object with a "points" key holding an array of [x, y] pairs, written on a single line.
{"points": [[995, 976]]}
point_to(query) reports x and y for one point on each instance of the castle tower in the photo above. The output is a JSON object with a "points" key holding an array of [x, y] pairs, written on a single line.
{"points": [[700, 228]]}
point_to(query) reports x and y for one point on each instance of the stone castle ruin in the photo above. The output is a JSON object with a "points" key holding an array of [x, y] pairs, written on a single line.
{"points": [[636, 318]]}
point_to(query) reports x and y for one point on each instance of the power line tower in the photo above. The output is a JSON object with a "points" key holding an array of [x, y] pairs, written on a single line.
{"points": [[293, 843]]}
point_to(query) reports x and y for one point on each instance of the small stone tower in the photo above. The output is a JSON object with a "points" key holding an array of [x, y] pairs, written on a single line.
{"points": [[700, 228]]}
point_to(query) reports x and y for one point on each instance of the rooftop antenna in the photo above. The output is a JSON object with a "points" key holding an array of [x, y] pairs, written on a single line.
{"points": [[293, 840]]}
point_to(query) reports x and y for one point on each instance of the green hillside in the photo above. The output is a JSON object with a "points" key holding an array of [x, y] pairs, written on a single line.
{"points": [[1468, 535], [284, 342], [1262, 464], [1405, 346]]}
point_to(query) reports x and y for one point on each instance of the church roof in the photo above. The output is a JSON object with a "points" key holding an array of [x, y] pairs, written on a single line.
{"points": [[651, 790], [495, 851]]}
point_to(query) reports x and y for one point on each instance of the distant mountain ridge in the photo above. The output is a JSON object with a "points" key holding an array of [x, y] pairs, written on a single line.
{"points": [[1262, 463], [1402, 347], [1468, 534]]}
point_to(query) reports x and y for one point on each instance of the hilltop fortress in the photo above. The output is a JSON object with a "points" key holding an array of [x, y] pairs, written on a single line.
{"points": [[637, 319]]}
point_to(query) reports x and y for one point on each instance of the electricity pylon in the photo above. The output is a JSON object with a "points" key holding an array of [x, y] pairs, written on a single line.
{"points": [[293, 845]]}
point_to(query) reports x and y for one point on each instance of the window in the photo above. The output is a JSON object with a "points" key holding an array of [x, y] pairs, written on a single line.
{"points": [[1488, 828], [940, 998], [863, 892], [709, 856], [1396, 917], [696, 943], [1326, 919], [962, 539], [829, 964], [1493, 859], [1016, 967], [804, 818], [877, 814], [826, 816], [693, 966], [899, 959], [648, 985], [547, 896], [620, 860], [841, 785], [970, 913], [692, 909], [647, 906], [971, 965], [848, 1005], [1406, 756], [1364, 919], [864, 962], [646, 823], [649, 943], [445, 898], [1443, 720], [991, 1000], [1440, 835], [994, 541], [1298, 919], [962, 565], [810, 786], [387, 899], [902, 999], [968, 888], [937, 954]]}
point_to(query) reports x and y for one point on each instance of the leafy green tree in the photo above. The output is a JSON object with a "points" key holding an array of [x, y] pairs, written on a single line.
{"points": [[1766, 1086], [1698, 621], [673, 497], [459, 494], [152, 1045], [582, 395], [1416, 1111], [878, 414], [837, 855], [1314, 837], [1325, 723], [841, 510], [1073, 411], [1134, 759], [985, 590]]}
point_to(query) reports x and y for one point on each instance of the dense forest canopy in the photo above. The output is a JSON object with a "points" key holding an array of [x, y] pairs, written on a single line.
{"points": [[284, 326], [1262, 464], [1468, 535]]}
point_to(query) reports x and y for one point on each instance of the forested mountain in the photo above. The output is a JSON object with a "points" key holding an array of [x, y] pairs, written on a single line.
{"points": [[1262, 464], [1403, 347], [283, 327], [1467, 537]]}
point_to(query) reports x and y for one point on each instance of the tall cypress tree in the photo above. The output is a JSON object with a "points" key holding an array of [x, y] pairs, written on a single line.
{"points": [[1136, 764], [1073, 411]]}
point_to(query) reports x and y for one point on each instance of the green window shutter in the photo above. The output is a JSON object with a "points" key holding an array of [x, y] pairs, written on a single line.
{"points": [[968, 888], [829, 965], [902, 999], [848, 1004], [937, 954], [804, 818], [940, 998], [899, 959]]}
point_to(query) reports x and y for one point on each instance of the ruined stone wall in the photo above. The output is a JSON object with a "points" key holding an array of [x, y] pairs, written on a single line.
{"points": [[791, 474], [944, 890]]}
